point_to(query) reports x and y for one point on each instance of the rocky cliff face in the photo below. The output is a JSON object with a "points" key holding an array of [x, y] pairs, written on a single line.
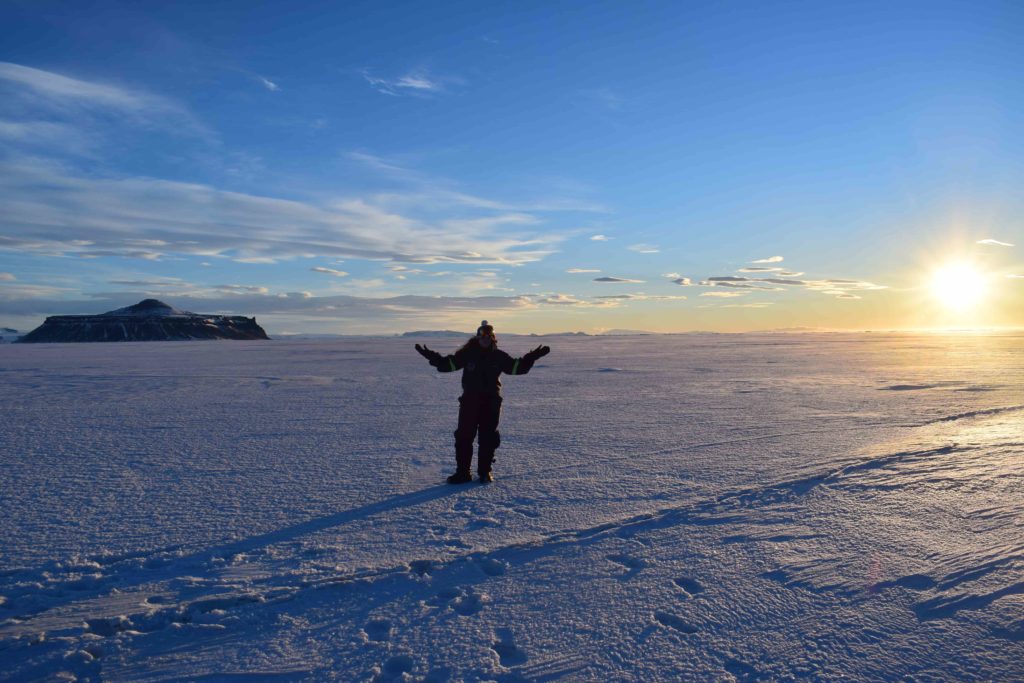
{"points": [[148, 320]]}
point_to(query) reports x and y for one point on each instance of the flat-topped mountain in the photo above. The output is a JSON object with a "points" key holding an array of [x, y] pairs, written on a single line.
{"points": [[148, 320]]}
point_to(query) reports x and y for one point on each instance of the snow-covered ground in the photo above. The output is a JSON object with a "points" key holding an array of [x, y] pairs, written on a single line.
{"points": [[700, 507]]}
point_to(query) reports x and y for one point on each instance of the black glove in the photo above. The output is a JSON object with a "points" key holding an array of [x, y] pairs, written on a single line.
{"points": [[432, 356], [538, 352]]}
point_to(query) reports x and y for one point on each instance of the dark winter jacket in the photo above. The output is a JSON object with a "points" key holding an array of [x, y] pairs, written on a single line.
{"points": [[480, 368]]}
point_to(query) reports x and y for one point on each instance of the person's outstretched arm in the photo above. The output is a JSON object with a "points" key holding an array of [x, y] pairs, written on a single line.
{"points": [[442, 363], [521, 366]]}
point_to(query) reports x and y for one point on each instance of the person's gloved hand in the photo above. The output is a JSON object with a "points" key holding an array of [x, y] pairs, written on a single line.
{"points": [[432, 356], [538, 352]]}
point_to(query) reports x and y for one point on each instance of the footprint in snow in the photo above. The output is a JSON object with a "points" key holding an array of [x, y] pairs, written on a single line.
{"points": [[690, 587], [632, 564], [107, 627], [378, 630], [444, 597], [482, 523], [741, 671], [421, 567], [674, 622], [396, 667], [508, 653], [492, 567], [469, 604]]}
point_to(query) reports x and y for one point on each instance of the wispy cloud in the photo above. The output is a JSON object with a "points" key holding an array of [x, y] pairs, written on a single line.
{"points": [[740, 285], [583, 270], [7, 277], [758, 269], [65, 100], [254, 300], [725, 280], [255, 260], [617, 279], [242, 289], [22, 299], [329, 271], [644, 248], [782, 281], [839, 287], [995, 243], [168, 282], [560, 300], [268, 84], [600, 238], [644, 297], [51, 210], [418, 82], [442, 192], [724, 295], [770, 259], [683, 281], [57, 88], [842, 288]]}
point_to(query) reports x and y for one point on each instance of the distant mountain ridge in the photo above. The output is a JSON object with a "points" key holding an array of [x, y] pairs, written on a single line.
{"points": [[437, 333], [148, 320]]}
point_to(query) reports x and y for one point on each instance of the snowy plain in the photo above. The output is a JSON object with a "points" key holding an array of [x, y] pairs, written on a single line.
{"points": [[691, 507]]}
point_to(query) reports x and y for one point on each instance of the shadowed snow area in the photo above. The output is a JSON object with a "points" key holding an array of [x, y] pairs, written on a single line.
{"points": [[695, 507]]}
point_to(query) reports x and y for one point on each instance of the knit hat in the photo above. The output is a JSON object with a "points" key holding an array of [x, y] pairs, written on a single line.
{"points": [[484, 327]]}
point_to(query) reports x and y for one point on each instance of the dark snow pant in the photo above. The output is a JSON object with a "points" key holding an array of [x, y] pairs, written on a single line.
{"points": [[477, 414]]}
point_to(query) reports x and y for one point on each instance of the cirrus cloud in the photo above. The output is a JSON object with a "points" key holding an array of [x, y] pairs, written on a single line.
{"points": [[50, 210], [329, 271], [617, 279], [644, 248]]}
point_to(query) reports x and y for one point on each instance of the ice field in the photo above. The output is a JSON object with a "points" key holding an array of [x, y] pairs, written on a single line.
{"points": [[691, 507]]}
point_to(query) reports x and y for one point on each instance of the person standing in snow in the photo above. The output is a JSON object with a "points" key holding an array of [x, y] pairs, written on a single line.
{"points": [[481, 362]]}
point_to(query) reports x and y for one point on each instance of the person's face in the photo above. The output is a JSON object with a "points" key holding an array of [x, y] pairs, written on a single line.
{"points": [[486, 340]]}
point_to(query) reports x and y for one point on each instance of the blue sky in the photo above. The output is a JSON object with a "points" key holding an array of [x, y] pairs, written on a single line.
{"points": [[375, 167]]}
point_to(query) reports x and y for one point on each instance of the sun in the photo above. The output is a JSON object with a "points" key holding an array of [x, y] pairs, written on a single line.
{"points": [[959, 286]]}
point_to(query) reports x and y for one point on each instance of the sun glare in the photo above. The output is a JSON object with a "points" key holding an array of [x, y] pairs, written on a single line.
{"points": [[958, 286]]}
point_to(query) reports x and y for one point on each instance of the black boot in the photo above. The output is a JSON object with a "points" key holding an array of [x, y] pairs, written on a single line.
{"points": [[460, 477], [486, 477]]}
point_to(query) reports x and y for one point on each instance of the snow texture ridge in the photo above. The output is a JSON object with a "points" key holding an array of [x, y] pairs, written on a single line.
{"points": [[759, 509]]}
